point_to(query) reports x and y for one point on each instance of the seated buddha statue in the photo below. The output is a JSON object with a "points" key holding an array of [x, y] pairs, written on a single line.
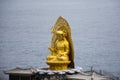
{"points": [[61, 46], [61, 49]]}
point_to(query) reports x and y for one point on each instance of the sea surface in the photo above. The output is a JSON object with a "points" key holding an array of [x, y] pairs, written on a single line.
{"points": [[25, 32]]}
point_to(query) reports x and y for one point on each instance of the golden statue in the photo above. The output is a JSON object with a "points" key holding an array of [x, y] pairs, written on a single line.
{"points": [[61, 47]]}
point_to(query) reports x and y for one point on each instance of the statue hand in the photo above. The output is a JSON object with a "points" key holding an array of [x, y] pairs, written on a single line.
{"points": [[61, 54], [51, 49]]}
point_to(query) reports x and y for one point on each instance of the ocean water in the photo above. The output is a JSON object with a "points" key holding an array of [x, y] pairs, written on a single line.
{"points": [[25, 32]]}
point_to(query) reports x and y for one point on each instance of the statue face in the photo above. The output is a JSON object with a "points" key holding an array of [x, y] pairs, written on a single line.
{"points": [[60, 36]]}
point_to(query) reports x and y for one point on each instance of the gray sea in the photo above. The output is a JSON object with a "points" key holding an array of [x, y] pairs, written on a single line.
{"points": [[25, 32]]}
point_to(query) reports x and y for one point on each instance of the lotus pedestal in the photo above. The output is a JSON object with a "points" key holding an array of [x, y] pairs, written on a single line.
{"points": [[58, 65]]}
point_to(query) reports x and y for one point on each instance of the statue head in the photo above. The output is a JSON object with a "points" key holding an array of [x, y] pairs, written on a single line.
{"points": [[60, 35]]}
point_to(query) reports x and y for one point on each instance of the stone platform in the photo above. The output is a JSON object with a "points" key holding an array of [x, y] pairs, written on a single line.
{"points": [[46, 74]]}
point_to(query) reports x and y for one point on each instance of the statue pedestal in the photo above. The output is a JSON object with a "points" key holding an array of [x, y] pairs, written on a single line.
{"points": [[58, 65]]}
